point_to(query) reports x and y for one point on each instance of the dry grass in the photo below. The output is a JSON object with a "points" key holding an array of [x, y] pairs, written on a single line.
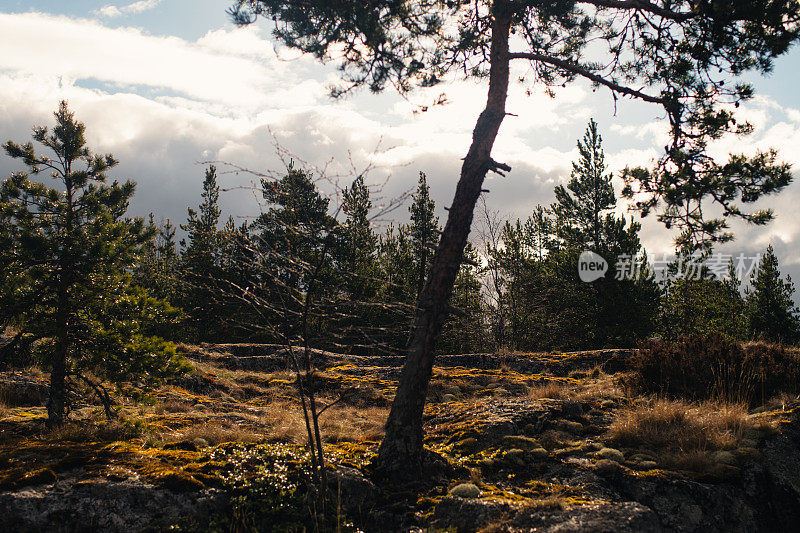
{"points": [[588, 389], [602, 387], [553, 390], [337, 424], [218, 432], [92, 432], [174, 406], [680, 430]]}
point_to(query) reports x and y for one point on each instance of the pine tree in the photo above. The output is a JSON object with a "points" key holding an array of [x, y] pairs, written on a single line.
{"points": [[357, 243], [423, 229], [771, 312], [357, 273], [76, 250], [201, 226], [200, 260], [12, 278], [290, 238], [548, 305], [157, 266], [295, 223], [581, 207], [237, 269], [465, 330], [698, 302], [398, 289]]}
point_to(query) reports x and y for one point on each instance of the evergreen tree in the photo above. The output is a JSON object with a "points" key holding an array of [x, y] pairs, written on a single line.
{"points": [[237, 270], [296, 220], [201, 226], [359, 318], [582, 206], [357, 248], [76, 249], [291, 237], [423, 229], [200, 260], [697, 302], [771, 312], [12, 277], [398, 290], [465, 330], [156, 269], [396, 259], [548, 306]]}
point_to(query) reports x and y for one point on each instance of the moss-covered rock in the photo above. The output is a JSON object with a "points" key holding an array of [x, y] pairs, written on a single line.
{"points": [[466, 490], [466, 446], [539, 454], [177, 481], [514, 456], [576, 428], [520, 442], [608, 468], [611, 454]]}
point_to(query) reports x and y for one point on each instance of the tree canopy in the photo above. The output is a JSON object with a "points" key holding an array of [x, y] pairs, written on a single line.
{"points": [[681, 55]]}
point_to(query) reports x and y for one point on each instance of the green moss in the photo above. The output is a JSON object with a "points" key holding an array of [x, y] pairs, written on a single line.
{"points": [[176, 481], [518, 441]]}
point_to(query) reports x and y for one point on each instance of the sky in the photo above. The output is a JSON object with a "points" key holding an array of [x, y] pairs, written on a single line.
{"points": [[169, 85]]}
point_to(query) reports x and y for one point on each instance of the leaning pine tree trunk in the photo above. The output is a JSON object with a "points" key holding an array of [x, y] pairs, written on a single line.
{"points": [[401, 453]]}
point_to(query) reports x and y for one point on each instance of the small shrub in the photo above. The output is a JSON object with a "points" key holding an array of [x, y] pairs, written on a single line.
{"points": [[269, 485], [340, 423], [712, 367]]}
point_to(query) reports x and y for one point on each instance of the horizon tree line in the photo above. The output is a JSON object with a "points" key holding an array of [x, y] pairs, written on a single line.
{"points": [[99, 292]]}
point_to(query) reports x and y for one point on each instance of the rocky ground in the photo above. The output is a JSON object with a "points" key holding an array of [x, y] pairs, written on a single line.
{"points": [[523, 442]]}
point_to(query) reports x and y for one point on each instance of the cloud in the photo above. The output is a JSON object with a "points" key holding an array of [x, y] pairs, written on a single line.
{"points": [[112, 11], [212, 70], [163, 104]]}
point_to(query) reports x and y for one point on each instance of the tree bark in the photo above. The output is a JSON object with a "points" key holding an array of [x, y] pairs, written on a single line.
{"points": [[400, 456], [56, 403]]}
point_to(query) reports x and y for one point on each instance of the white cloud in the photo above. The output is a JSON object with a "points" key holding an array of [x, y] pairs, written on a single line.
{"points": [[161, 104], [111, 11], [209, 70]]}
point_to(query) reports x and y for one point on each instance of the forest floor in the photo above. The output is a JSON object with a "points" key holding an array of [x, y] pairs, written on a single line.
{"points": [[526, 442]]}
